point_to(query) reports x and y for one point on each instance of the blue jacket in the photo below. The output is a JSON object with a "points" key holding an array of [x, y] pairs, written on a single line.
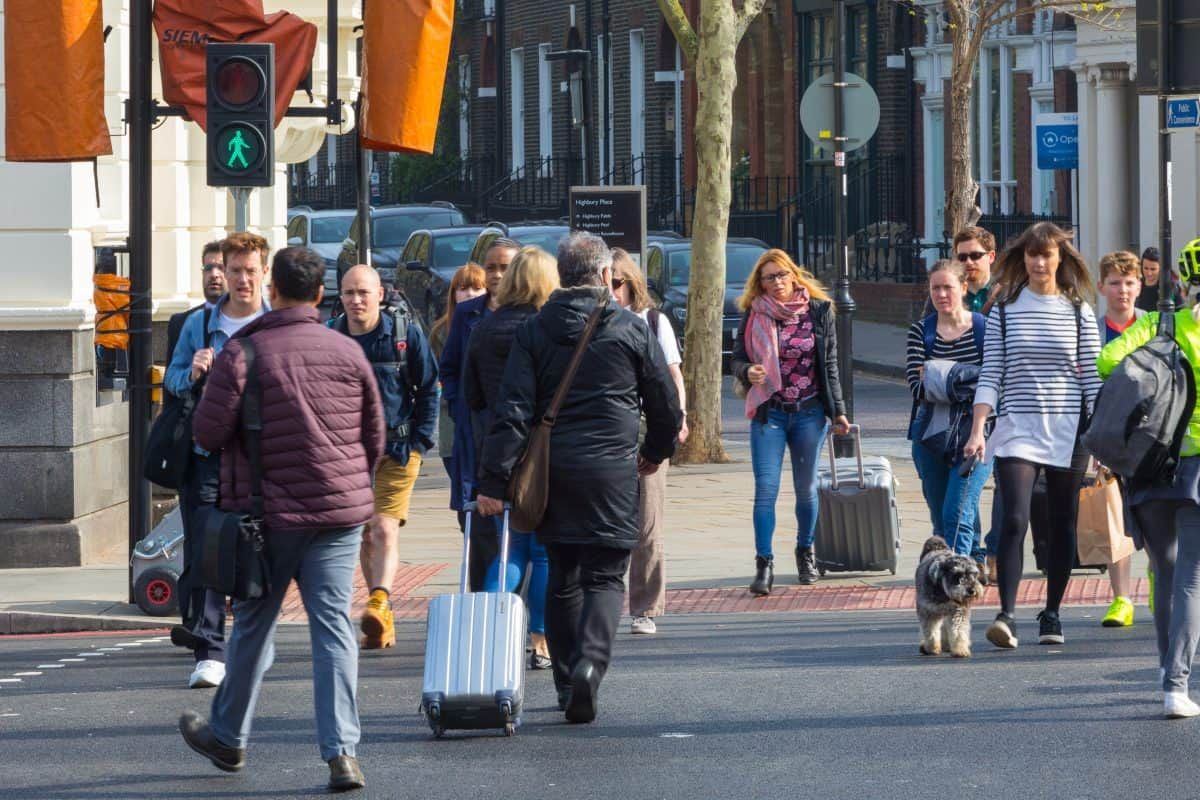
{"points": [[466, 316], [178, 380], [410, 399]]}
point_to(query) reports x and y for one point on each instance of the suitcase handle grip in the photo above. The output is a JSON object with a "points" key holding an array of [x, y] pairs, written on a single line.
{"points": [[469, 509], [856, 434]]}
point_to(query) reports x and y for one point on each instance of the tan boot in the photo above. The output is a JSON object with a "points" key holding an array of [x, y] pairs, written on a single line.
{"points": [[378, 623]]}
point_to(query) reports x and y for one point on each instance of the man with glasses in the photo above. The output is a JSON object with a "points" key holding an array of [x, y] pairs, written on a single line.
{"points": [[975, 249], [212, 271]]}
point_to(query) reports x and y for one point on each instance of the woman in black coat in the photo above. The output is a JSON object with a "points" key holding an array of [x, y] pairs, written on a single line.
{"points": [[591, 521], [527, 284], [785, 357]]}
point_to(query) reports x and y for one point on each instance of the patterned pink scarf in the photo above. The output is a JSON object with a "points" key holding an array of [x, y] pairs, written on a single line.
{"points": [[762, 342]]}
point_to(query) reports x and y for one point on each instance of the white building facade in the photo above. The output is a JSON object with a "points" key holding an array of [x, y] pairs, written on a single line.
{"points": [[63, 442]]}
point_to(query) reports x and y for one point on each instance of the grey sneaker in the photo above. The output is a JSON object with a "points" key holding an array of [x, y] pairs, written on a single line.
{"points": [[643, 625], [1003, 632]]}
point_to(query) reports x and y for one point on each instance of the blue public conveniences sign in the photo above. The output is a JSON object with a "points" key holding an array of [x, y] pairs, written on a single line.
{"points": [[1183, 113], [1057, 139]]}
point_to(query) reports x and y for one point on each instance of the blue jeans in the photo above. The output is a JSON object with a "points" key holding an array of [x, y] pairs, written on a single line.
{"points": [[322, 562], [802, 432], [952, 499], [523, 550]]}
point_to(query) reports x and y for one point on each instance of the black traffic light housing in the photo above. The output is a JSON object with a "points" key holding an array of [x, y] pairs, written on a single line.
{"points": [[240, 84], [1183, 46]]}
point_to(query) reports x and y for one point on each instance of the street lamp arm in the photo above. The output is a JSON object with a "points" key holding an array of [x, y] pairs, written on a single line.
{"points": [[679, 24]]}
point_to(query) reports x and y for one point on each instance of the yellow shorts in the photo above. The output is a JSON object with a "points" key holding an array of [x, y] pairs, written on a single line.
{"points": [[394, 485]]}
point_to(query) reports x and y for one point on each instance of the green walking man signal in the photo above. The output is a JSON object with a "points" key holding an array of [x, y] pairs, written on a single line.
{"points": [[240, 107], [236, 147]]}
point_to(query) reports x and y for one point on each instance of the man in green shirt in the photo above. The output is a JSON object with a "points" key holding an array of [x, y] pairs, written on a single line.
{"points": [[975, 248]]}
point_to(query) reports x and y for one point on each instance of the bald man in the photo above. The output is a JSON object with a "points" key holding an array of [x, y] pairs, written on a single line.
{"points": [[406, 372]]}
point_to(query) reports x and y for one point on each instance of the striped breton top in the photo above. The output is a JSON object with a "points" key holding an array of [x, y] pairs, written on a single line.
{"points": [[961, 349], [1035, 380]]}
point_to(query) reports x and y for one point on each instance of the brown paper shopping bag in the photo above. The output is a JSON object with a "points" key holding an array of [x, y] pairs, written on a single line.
{"points": [[1100, 526]]}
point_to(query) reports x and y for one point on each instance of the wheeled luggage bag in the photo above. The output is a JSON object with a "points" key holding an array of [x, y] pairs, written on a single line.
{"points": [[475, 653], [858, 522]]}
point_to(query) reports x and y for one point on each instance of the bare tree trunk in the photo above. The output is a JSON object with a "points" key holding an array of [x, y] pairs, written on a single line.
{"points": [[961, 209], [716, 79]]}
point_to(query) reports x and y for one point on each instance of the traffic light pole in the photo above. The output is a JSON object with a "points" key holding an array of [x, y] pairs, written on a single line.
{"points": [[241, 207], [842, 301], [138, 118], [1166, 301]]}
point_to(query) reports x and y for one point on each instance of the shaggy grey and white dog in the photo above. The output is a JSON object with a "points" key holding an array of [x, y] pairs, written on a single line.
{"points": [[947, 586]]}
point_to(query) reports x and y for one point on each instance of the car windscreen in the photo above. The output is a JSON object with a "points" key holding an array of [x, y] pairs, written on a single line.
{"points": [[547, 240], [392, 230], [739, 261], [452, 250], [326, 230]]}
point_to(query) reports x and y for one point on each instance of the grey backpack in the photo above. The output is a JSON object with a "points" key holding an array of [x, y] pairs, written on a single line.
{"points": [[1143, 409]]}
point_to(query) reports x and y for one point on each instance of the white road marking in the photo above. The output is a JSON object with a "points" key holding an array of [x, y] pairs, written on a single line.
{"points": [[139, 644], [676, 735], [93, 653], [11, 714], [31, 674], [56, 666], [18, 680], [73, 660], [117, 649]]}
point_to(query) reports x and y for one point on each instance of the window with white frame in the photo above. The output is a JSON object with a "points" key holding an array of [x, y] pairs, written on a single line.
{"points": [[995, 131], [637, 101], [604, 101], [516, 72], [464, 107], [545, 109]]}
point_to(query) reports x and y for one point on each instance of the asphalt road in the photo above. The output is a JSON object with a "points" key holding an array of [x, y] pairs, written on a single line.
{"points": [[746, 706]]}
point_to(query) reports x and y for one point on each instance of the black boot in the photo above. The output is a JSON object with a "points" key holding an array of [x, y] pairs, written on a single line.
{"points": [[806, 565], [764, 576]]}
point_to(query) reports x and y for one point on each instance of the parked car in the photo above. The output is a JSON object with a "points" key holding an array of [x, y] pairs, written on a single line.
{"points": [[429, 261], [668, 268], [390, 228], [545, 235], [324, 232]]}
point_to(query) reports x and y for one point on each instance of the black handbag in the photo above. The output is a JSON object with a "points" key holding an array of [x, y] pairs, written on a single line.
{"points": [[233, 548], [169, 443]]}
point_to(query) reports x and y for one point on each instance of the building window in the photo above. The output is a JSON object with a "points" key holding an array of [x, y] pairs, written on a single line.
{"points": [[487, 66], [604, 103], [516, 67], [637, 102], [817, 45], [464, 107], [545, 109]]}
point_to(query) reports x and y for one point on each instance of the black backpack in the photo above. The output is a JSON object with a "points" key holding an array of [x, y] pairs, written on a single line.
{"points": [[169, 443], [1143, 410], [401, 318]]}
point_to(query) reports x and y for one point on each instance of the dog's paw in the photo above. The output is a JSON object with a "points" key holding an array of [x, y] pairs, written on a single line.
{"points": [[962, 652], [930, 651]]}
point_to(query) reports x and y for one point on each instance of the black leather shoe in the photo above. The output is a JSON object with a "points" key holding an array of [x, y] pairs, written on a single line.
{"points": [[200, 738], [764, 576], [581, 706], [345, 774], [564, 695], [806, 565], [182, 637]]}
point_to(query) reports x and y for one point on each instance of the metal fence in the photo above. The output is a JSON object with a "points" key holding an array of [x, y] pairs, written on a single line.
{"points": [[1008, 228]]}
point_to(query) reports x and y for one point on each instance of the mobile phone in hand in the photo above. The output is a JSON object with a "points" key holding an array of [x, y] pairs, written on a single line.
{"points": [[968, 465]]}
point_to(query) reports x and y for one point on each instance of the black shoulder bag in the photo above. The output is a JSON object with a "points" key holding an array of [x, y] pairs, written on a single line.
{"points": [[169, 443], [233, 552]]}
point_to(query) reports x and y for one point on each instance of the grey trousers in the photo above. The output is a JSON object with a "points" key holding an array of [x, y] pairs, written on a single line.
{"points": [[322, 563], [1171, 534], [647, 564]]}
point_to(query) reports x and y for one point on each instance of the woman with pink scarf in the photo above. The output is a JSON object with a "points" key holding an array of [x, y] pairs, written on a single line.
{"points": [[785, 358]]}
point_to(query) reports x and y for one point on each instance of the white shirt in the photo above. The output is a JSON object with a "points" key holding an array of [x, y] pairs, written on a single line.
{"points": [[666, 336], [231, 325]]}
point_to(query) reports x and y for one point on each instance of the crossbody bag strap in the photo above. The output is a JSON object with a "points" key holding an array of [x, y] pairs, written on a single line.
{"points": [[252, 426], [568, 377]]}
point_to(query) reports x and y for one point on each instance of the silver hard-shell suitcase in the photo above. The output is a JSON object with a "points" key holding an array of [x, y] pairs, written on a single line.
{"points": [[475, 653], [858, 522]]}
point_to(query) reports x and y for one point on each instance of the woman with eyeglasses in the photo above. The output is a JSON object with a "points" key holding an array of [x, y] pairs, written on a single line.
{"points": [[785, 357], [1039, 379], [647, 566]]}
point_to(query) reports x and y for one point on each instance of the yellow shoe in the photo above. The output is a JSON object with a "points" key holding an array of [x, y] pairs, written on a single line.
{"points": [[1150, 578], [378, 624], [1120, 614]]}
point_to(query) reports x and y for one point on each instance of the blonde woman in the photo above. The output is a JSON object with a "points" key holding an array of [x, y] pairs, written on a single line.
{"points": [[785, 356], [527, 284], [647, 566]]}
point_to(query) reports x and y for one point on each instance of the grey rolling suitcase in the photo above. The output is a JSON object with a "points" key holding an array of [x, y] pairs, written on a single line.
{"points": [[858, 523], [475, 654]]}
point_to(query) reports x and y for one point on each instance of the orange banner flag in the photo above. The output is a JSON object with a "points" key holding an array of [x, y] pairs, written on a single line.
{"points": [[406, 44], [54, 81]]}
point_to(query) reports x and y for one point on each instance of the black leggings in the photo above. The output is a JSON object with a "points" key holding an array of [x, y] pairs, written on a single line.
{"points": [[1014, 481]]}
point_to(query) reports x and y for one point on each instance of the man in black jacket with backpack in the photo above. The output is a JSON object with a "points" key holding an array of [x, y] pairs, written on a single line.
{"points": [[591, 520]]}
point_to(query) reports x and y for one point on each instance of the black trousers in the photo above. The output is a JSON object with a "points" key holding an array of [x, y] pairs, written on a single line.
{"points": [[202, 610], [583, 605]]}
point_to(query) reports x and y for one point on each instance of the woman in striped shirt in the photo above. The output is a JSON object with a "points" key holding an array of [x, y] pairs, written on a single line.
{"points": [[1039, 378], [951, 333]]}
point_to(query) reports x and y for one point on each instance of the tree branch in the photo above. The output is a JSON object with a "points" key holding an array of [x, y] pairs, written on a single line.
{"points": [[750, 10], [679, 24]]}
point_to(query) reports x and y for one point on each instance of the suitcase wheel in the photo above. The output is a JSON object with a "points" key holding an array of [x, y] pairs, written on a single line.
{"points": [[510, 729], [156, 592]]}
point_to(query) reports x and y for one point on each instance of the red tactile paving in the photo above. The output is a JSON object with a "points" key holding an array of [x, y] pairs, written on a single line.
{"points": [[1082, 591]]}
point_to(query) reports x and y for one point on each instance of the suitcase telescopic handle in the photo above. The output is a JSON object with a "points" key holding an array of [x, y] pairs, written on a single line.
{"points": [[856, 434], [469, 510]]}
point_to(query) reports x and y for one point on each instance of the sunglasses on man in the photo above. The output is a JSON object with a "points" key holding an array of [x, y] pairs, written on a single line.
{"points": [[974, 256]]}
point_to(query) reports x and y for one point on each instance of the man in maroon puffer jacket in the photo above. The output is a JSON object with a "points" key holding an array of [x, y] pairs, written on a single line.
{"points": [[322, 433]]}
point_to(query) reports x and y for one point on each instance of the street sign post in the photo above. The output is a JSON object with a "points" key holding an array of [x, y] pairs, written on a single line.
{"points": [[1057, 138], [617, 214], [1183, 113]]}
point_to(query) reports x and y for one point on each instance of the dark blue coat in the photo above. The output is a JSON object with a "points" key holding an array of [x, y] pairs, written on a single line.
{"points": [[411, 398], [466, 316]]}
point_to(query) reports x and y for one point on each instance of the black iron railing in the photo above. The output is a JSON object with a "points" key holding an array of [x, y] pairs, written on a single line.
{"points": [[1008, 227]]}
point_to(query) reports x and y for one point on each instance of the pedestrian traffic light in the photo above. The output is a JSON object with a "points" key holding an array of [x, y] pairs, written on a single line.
{"points": [[241, 114]]}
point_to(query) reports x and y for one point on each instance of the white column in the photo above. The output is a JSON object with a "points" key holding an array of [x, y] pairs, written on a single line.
{"points": [[1112, 163], [983, 124], [1006, 132], [1086, 196], [1147, 125], [934, 155]]}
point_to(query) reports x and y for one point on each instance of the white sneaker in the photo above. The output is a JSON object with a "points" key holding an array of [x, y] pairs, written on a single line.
{"points": [[1177, 705], [643, 625], [207, 675]]}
